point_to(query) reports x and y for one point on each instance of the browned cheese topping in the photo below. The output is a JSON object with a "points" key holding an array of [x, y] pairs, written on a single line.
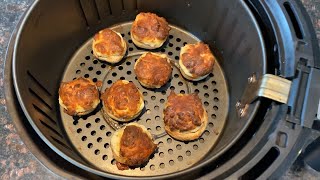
{"points": [[107, 42], [121, 166], [122, 100], [183, 113], [80, 92], [136, 145], [198, 59], [152, 69], [151, 26]]}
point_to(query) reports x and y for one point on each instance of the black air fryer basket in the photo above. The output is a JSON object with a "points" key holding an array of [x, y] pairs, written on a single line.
{"points": [[262, 96]]}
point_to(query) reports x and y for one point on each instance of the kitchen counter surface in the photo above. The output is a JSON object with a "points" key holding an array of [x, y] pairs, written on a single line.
{"points": [[16, 162]]}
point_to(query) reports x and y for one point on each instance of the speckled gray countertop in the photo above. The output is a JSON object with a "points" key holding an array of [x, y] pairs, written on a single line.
{"points": [[16, 162]]}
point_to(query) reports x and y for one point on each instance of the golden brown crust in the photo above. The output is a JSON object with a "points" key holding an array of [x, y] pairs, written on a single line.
{"points": [[136, 146], [183, 112], [132, 145], [184, 116], [121, 166], [122, 101], [153, 70], [149, 30], [108, 45], [79, 97], [196, 61]]}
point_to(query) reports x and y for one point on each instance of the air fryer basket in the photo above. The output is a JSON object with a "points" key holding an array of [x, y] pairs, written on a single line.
{"points": [[53, 45], [91, 135]]}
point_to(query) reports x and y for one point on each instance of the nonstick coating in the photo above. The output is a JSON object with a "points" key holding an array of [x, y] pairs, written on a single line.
{"points": [[52, 31]]}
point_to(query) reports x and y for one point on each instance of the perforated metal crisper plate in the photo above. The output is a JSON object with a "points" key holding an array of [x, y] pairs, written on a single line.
{"points": [[91, 135]]}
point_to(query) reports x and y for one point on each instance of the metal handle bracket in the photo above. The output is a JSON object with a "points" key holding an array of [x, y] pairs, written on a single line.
{"points": [[268, 86]]}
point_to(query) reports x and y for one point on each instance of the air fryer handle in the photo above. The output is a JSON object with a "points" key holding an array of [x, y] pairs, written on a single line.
{"points": [[305, 74], [304, 99]]}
